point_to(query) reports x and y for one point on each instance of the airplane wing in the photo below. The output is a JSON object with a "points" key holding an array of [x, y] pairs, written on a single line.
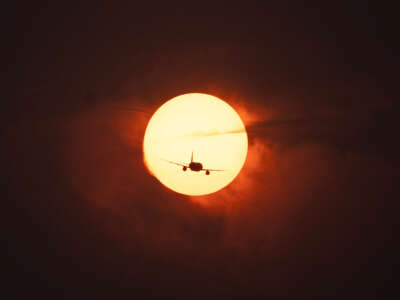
{"points": [[212, 170], [176, 163]]}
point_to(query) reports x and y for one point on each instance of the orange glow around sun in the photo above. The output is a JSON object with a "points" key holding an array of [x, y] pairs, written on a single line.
{"points": [[205, 125]]}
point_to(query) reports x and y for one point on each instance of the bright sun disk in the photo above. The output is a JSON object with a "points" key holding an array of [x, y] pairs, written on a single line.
{"points": [[205, 125]]}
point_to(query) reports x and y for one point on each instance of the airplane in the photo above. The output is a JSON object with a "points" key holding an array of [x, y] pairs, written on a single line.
{"points": [[193, 166]]}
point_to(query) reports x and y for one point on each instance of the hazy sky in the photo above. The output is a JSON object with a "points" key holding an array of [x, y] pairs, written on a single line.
{"points": [[313, 211]]}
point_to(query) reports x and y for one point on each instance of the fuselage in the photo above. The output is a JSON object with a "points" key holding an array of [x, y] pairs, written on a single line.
{"points": [[195, 166]]}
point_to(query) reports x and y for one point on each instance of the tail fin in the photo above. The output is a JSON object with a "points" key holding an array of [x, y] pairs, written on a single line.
{"points": [[191, 158]]}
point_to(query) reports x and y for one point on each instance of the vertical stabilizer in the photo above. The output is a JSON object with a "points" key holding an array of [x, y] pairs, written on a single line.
{"points": [[191, 158]]}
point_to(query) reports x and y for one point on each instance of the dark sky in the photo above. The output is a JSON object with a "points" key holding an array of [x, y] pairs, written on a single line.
{"points": [[314, 210]]}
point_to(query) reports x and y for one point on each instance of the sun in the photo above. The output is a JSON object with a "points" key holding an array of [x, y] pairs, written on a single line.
{"points": [[197, 128]]}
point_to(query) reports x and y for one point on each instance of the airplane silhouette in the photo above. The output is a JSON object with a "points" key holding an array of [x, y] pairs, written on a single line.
{"points": [[193, 166]]}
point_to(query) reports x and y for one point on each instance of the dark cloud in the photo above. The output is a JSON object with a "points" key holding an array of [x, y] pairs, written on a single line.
{"points": [[311, 214]]}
